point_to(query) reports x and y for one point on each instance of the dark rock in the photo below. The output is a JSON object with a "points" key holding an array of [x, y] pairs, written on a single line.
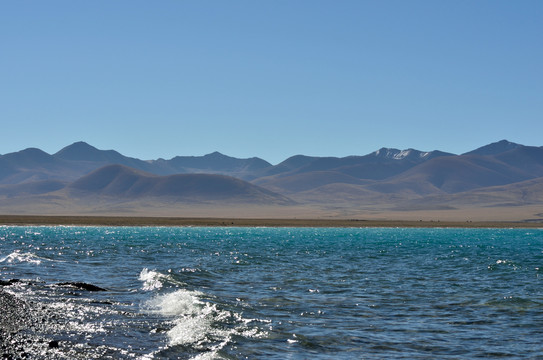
{"points": [[9, 282], [53, 344], [82, 286]]}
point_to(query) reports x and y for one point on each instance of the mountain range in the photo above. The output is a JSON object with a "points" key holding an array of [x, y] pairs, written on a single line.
{"points": [[501, 174]]}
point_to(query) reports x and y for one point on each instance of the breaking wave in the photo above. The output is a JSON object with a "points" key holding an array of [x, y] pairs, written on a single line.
{"points": [[153, 280], [193, 320], [18, 257]]}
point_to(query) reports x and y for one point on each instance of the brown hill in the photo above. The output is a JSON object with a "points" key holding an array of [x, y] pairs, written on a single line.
{"points": [[348, 196], [454, 174], [80, 158], [30, 165], [307, 181], [124, 182], [501, 174], [31, 188], [529, 192], [214, 163], [494, 148], [528, 159], [378, 165]]}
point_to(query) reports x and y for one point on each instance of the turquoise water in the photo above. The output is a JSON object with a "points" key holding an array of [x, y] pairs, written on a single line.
{"points": [[282, 293]]}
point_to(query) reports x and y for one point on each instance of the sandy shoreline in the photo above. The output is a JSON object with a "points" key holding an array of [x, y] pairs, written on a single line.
{"points": [[247, 222]]}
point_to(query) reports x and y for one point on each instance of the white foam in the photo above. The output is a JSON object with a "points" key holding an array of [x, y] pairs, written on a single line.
{"points": [[190, 330], [153, 280], [178, 303], [193, 317], [197, 323], [17, 256]]}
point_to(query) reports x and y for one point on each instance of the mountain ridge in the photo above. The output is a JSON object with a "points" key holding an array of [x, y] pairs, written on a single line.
{"points": [[386, 178], [122, 181], [80, 158]]}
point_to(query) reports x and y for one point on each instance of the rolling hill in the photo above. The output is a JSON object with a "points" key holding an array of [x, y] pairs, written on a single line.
{"points": [[80, 158], [499, 174], [123, 182]]}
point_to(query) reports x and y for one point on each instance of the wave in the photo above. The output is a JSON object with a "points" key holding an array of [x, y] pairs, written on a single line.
{"points": [[200, 324], [18, 257], [153, 280]]}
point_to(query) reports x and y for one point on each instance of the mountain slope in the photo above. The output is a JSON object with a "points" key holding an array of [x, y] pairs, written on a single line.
{"points": [[454, 174], [494, 148], [379, 165], [33, 165], [80, 158], [528, 159], [214, 163], [496, 164], [83, 153], [307, 181], [31, 188], [495, 173], [121, 181], [288, 165], [523, 193]]}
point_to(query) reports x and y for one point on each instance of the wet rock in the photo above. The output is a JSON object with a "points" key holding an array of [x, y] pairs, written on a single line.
{"points": [[29, 328], [15, 319], [13, 314], [9, 282], [82, 286]]}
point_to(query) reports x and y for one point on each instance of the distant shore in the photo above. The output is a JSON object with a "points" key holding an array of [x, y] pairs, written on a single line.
{"points": [[247, 222]]}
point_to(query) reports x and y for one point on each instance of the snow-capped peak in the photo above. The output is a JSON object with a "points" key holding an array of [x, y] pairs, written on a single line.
{"points": [[402, 154], [391, 153]]}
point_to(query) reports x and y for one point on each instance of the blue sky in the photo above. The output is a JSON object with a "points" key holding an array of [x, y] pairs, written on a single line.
{"points": [[270, 78]]}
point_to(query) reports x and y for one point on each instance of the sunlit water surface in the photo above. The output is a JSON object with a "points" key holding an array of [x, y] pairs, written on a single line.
{"points": [[282, 293]]}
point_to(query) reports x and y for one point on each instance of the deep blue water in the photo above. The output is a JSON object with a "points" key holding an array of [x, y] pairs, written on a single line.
{"points": [[283, 293]]}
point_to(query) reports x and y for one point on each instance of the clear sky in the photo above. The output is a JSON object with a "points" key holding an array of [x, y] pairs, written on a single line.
{"points": [[270, 78]]}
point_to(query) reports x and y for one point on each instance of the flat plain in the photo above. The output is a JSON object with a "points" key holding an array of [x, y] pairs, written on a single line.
{"points": [[248, 222]]}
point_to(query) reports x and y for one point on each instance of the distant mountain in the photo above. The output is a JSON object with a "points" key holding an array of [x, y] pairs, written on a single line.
{"points": [[288, 165], [214, 163], [528, 159], [529, 192], [31, 188], [307, 180], [31, 157], [409, 154], [34, 165], [80, 158], [81, 151], [494, 148], [499, 173], [493, 165], [452, 174], [379, 165], [415, 173], [122, 181]]}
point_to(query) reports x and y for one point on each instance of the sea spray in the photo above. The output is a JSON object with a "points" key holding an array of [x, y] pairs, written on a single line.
{"points": [[178, 303], [18, 256], [198, 323], [153, 280]]}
